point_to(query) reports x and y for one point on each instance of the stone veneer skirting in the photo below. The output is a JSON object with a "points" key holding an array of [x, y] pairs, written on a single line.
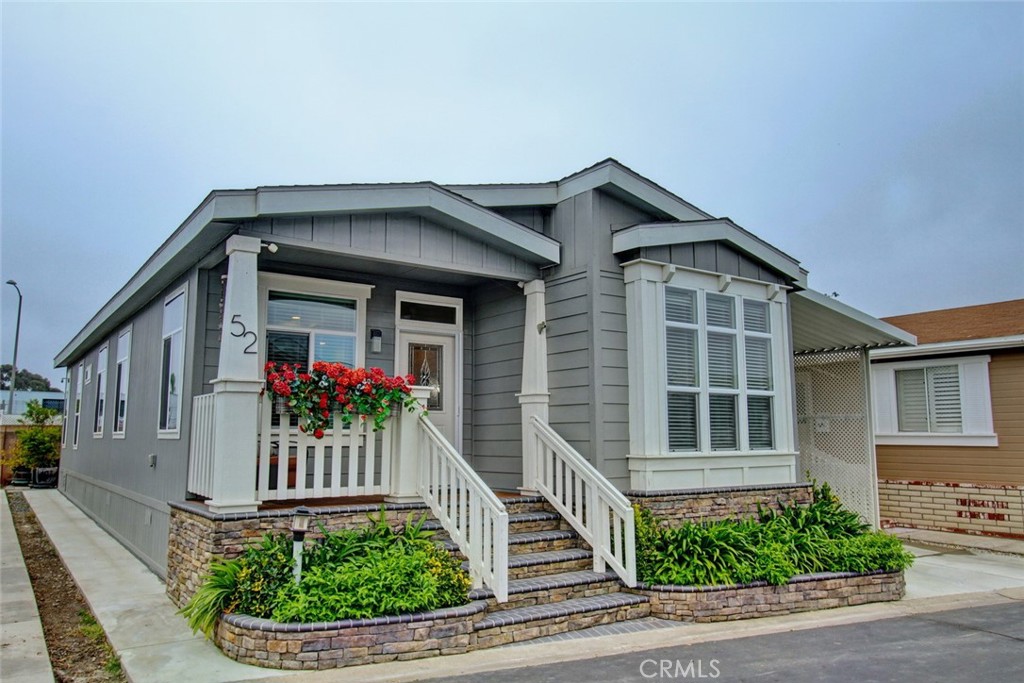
{"points": [[960, 507], [759, 599], [198, 535], [712, 505], [349, 642]]}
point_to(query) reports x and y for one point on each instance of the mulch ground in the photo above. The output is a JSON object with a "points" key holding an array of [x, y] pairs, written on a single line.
{"points": [[77, 655]]}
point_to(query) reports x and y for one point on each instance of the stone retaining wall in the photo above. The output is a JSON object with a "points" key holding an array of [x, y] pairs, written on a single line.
{"points": [[966, 508], [197, 535], [759, 599], [711, 505], [350, 642]]}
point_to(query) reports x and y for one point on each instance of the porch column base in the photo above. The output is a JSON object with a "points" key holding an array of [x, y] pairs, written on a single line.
{"points": [[405, 452], [235, 443]]}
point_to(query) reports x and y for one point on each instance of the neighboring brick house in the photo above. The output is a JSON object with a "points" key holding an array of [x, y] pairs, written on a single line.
{"points": [[949, 421]]}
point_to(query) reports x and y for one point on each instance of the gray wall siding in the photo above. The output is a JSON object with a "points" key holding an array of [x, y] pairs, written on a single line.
{"points": [[212, 289], [499, 312], [535, 218], [570, 378], [718, 257], [613, 386], [111, 478], [394, 236]]}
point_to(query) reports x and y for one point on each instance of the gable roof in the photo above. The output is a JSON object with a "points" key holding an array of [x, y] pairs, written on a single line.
{"points": [[984, 321], [609, 175]]}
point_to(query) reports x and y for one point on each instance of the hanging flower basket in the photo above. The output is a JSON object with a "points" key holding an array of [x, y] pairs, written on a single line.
{"points": [[329, 388]]}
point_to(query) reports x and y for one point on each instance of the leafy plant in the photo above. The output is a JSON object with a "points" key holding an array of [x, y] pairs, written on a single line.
{"points": [[215, 596], [263, 571], [869, 552], [39, 441]]}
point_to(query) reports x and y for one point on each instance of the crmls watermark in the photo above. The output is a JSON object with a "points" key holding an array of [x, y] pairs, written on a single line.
{"points": [[677, 668]]}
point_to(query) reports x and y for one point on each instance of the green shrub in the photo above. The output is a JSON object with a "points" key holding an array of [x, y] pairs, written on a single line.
{"points": [[819, 537], [214, 597], [870, 552], [366, 572]]}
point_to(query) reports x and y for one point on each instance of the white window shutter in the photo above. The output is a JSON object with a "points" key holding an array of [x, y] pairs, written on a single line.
{"points": [[722, 360], [682, 422], [681, 356], [944, 399], [722, 408], [912, 400]]}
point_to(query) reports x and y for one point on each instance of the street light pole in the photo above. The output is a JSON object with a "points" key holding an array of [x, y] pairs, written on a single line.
{"points": [[14, 363]]}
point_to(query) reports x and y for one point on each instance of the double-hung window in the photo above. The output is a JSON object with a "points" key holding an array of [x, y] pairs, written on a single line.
{"points": [[101, 392], [721, 382], [304, 328], [172, 362], [124, 350]]}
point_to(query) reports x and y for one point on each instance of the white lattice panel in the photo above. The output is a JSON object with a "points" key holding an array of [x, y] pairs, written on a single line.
{"points": [[834, 429]]}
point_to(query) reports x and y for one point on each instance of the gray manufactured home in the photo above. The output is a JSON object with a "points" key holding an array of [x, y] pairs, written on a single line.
{"points": [[599, 319]]}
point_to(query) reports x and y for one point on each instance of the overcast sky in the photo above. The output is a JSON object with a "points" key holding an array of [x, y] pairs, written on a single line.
{"points": [[881, 145]]}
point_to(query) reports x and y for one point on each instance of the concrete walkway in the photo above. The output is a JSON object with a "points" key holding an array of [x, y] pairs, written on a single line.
{"points": [[23, 654], [156, 646]]}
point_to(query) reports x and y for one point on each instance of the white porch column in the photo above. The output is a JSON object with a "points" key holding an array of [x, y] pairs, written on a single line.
{"points": [[407, 451], [645, 342], [237, 387], [534, 396]]}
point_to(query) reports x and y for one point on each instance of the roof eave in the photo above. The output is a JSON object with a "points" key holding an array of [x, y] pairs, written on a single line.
{"points": [[943, 348]]}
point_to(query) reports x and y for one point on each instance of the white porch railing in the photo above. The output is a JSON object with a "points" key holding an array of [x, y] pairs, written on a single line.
{"points": [[467, 508], [598, 511], [200, 464], [355, 461]]}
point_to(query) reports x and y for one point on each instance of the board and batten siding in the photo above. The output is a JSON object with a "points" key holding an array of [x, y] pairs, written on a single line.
{"points": [[111, 478], [499, 318], [395, 237], [999, 465], [717, 257]]}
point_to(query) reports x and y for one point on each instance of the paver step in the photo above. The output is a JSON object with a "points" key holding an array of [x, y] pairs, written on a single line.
{"points": [[610, 602], [534, 541], [518, 522], [552, 587]]}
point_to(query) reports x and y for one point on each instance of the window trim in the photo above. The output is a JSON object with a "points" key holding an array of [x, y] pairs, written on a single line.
{"points": [[975, 404], [67, 408], [78, 405], [99, 418], [297, 284], [126, 360], [177, 291], [704, 284]]}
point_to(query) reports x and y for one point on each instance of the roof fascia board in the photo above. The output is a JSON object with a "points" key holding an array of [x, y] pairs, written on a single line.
{"points": [[660, 234], [508, 195], [900, 335], [959, 346], [610, 173], [513, 237]]}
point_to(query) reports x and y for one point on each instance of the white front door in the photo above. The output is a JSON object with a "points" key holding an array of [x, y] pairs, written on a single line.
{"points": [[431, 359]]}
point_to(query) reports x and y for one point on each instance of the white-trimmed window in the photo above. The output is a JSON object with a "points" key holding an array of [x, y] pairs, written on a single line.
{"points": [[172, 362], [78, 403], [722, 379], [101, 392], [935, 402], [124, 352], [308, 320], [64, 423]]}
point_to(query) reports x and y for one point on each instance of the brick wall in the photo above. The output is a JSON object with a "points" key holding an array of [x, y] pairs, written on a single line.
{"points": [[735, 502], [801, 594], [966, 508]]}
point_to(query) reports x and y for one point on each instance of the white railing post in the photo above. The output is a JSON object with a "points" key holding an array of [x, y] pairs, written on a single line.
{"points": [[534, 396], [407, 451], [237, 387]]}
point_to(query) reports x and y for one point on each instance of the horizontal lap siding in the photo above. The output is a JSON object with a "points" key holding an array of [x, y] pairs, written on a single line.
{"points": [[1003, 464], [499, 315], [570, 378], [613, 428]]}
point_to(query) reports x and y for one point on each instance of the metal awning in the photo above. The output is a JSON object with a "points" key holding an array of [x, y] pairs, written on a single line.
{"points": [[821, 323]]}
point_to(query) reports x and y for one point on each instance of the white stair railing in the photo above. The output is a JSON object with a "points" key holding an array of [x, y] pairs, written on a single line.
{"points": [[467, 508], [598, 511]]}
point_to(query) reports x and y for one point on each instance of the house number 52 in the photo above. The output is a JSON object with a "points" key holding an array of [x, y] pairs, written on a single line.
{"points": [[243, 333]]}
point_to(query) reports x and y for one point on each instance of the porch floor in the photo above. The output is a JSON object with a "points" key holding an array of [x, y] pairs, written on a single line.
{"points": [[341, 501]]}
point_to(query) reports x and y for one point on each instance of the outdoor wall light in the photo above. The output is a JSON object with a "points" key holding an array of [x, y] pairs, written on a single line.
{"points": [[300, 525], [376, 339], [270, 246]]}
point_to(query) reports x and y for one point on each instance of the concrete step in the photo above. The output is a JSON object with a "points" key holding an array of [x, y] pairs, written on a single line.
{"points": [[535, 621], [537, 590]]}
